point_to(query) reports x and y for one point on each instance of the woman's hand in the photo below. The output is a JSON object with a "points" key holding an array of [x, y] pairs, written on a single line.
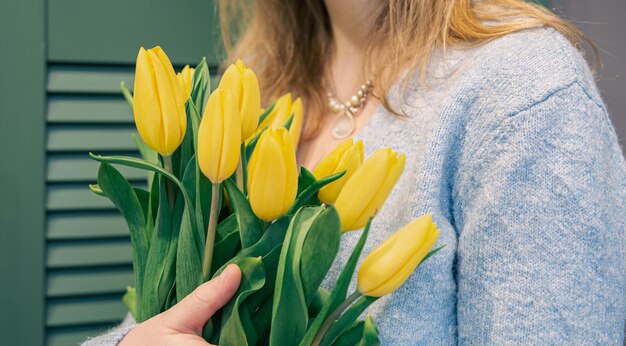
{"points": [[182, 324]]}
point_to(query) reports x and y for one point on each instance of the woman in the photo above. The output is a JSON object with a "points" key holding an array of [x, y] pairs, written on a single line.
{"points": [[508, 144]]}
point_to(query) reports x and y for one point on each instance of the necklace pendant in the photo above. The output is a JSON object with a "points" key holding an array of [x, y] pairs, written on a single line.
{"points": [[343, 125]]}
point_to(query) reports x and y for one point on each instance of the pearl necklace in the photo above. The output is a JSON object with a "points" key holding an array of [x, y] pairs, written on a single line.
{"points": [[343, 122]]}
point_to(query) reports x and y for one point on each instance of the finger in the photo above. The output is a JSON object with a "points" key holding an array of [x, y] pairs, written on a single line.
{"points": [[192, 313]]}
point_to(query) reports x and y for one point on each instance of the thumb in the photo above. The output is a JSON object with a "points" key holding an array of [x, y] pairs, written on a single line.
{"points": [[192, 313]]}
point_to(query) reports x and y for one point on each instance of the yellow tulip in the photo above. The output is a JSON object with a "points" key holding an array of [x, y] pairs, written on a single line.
{"points": [[283, 109], [159, 104], [346, 156], [272, 175], [185, 77], [367, 189], [242, 82], [219, 137], [390, 264]]}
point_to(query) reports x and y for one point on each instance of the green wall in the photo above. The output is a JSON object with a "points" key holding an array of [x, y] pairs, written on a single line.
{"points": [[64, 252]]}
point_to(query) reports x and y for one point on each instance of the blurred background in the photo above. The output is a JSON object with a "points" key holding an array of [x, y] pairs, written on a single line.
{"points": [[65, 253]]}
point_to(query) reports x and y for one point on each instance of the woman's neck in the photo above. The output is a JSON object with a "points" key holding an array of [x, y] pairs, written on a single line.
{"points": [[351, 22]]}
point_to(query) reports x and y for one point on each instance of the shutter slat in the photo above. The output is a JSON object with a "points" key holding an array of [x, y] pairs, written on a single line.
{"points": [[89, 281], [88, 79], [74, 335], [87, 310], [75, 197], [89, 109], [95, 138], [108, 224], [89, 253], [81, 167]]}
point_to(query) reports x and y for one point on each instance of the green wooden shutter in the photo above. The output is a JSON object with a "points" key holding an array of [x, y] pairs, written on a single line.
{"points": [[91, 48]]}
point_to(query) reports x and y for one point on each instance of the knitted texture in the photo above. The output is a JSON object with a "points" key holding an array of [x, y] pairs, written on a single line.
{"points": [[509, 145]]}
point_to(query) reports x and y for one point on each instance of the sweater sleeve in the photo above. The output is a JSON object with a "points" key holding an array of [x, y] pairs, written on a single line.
{"points": [[113, 336], [541, 215]]}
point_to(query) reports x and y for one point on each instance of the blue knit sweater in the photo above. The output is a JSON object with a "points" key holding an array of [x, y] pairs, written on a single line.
{"points": [[509, 145]]}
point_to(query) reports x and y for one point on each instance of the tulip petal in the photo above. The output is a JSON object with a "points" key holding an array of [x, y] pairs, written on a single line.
{"points": [[328, 165], [210, 134], [185, 78], [296, 124], [267, 178], [170, 99], [177, 92], [251, 104], [291, 170], [392, 262], [279, 114], [146, 105], [376, 201], [346, 156], [360, 189], [231, 80], [231, 136]]}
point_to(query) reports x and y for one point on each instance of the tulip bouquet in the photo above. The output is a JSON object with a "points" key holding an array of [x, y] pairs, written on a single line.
{"points": [[224, 188]]}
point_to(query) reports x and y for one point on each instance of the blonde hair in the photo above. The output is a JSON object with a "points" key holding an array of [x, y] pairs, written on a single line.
{"points": [[287, 43]]}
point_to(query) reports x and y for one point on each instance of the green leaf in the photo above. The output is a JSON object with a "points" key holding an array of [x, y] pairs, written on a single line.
{"points": [[225, 249], [226, 227], [142, 164], [201, 85], [347, 319], [266, 112], [338, 294], [237, 327], [318, 301], [289, 314], [319, 250], [312, 190], [352, 336], [153, 206], [144, 199], [250, 227], [262, 320], [305, 179], [272, 237], [432, 252], [127, 95], [96, 189], [287, 124], [160, 267], [202, 184], [270, 263], [190, 244], [252, 144], [118, 190], [370, 333], [130, 300], [147, 153], [244, 167]]}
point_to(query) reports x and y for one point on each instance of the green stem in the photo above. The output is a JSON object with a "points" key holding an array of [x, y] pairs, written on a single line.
{"points": [[171, 193], [239, 176], [334, 315], [210, 235]]}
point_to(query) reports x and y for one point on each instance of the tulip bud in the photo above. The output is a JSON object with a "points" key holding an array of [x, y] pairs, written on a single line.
{"points": [[390, 264], [346, 156], [185, 77], [272, 175], [159, 104], [242, 82], [367, 189], [219, 137], [283, 109]]}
